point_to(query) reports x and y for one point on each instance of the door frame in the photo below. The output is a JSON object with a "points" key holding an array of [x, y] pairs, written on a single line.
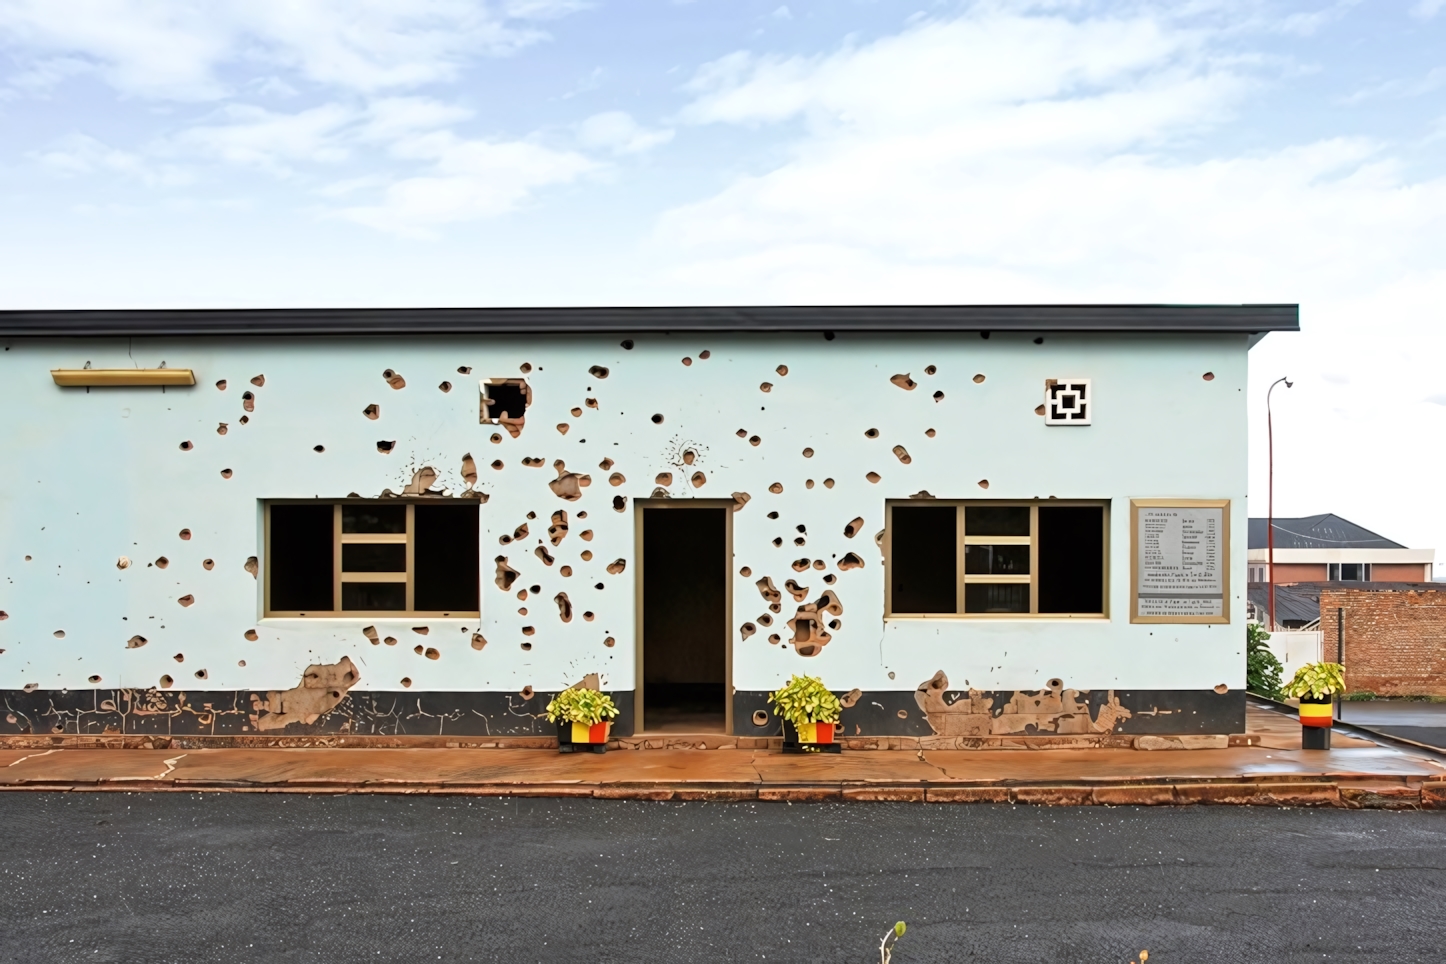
{"points": [[639, 506]]}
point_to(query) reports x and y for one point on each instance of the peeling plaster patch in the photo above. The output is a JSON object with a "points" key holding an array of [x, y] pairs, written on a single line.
{"points": [[187, 600], [370, 632], [598, 371], [394, 380], [251, 566], [809, 635], [747, 629], [506, 575], [922, 494], [248, 401], [478, 641], [768, 590], [123, 563], [251, 635], [469, 470], [740, 499], [1051, 710], [422, 480], [546, 557], [136, 642], [799, 593], [905, 382], [850, 561], [902, 454], [568, 485], [617, 566], [564, 607], [873, 477], [323, 687], [558, 530]]}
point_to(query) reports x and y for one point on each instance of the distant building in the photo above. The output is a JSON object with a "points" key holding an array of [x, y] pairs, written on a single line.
{"points": [[1327, 548]]}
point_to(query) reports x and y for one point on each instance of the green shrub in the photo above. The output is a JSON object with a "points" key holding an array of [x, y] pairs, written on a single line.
{"points": [[1262, 669], [804, 699], [1318, 680], [588, 707]]}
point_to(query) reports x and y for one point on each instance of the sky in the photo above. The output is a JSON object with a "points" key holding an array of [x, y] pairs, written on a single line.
{"points": [[266, 153]]}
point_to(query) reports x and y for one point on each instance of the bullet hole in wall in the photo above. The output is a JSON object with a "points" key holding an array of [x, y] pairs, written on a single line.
{"points": [[627, 344], [598, 586], [905, 382], [930, 370], [828, 483], [221, 384], [745, 572], [136, 642], [59, 634], [187, 600], [984, 335], [616, 479], [259, 380], [162, 562], [318, 448], [776, 488], [536, 589], [248, 401], [576, 412], [620, 503], [658, 419], [849, 561], [201, 674], [252, 566], [385, 447], [1208, 376], [394, 380], [871, 433], [226, 473], [978, 379], [609, 642], [873, 477], [179, 657], [589, 616], [1039, 341], [445, 386], [902, 454], [208, 564], [166, 682], [186, 446], [562, 428], [755, 440], [828, 336], [777, 542], [496, 439], [525, 368], [808, 453], [406, 682], [938, 396], [244, 419], [983, 483], [464, 369], [526, 647], [663, 478], [598, 371], [687, 361], [586, 534], [929, 432], [830, 579], [766, 387], [497, 464]]}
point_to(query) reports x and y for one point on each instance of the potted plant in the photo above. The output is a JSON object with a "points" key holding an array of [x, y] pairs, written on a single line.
{"points": [[808, 706], [584, 719], [1315, 684]]}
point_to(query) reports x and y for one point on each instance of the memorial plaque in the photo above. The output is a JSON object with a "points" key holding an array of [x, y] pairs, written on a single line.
{"points": [[1181, 561]]}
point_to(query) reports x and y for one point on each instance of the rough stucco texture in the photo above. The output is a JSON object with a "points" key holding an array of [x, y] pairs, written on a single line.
{"points": [[102, 483]]}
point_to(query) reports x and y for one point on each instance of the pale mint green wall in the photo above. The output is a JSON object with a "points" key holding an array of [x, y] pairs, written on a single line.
{"points": [[94, 476]]}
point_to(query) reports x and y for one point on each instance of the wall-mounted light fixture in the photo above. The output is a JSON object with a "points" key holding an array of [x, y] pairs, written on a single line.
{"points": [[121, 377]]}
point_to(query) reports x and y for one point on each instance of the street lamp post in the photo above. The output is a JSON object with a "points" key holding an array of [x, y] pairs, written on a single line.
{"points": [[1270, 504]]}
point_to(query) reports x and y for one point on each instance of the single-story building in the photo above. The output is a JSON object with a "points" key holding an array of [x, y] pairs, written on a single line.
{"points": [[972, 522]]}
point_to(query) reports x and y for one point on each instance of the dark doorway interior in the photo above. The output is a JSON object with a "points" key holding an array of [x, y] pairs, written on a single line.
{"points": [[685, 619]]}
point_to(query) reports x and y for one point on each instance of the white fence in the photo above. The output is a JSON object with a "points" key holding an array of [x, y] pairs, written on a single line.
{"points": [[1296, 647]]}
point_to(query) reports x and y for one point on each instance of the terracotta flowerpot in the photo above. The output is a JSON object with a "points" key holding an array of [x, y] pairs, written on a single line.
{"points": [[581, 738], [811, 738]]}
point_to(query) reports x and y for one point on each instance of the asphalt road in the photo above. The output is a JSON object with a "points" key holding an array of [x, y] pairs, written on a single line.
{"points": [[1422, 722], [173, 877]]}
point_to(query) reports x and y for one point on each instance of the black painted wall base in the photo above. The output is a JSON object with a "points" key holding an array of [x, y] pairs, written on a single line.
{"points": [[897, 713], [231, 713]]}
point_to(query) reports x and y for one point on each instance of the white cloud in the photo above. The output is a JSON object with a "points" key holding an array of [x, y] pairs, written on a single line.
{"points": [[469, 180], [256, 137], [179, 49], [1426, 9], [78, 154], [616, 131]]}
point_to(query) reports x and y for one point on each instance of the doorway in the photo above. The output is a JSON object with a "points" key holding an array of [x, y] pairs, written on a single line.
{"points": [[684, 619]]}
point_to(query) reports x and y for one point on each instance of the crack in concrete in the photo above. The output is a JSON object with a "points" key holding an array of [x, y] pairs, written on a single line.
{"points": [[170, 765], [30, 755]]}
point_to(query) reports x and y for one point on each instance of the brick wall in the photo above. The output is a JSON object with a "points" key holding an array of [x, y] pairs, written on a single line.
{"points": [[1395, 639]]}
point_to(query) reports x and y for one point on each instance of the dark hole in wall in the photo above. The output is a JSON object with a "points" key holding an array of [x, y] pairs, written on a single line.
{"points": [[507, 397], [1072, 559], [923, 565], [445, 558], [685, 622], [374, 596], [300, 563]]}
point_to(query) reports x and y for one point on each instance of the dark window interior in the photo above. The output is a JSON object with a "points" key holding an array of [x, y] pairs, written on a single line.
{"points": [[685, 619], [371, 519], [996, 560], [508, 397], [374, 596], [1071, 559], [923, 564], [444, 558], [300, 558], [996, 520], [996, 597], [374, 557]]}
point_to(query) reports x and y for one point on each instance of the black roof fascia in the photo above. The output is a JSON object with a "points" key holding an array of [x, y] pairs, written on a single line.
{"points": [[1154, 319]]}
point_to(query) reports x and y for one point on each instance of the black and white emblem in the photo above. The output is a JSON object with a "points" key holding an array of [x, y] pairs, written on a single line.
{"points": [[1067, 401]]}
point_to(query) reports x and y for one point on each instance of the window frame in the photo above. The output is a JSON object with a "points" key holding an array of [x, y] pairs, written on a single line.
{"points": [[963, 539], [338, 540]]}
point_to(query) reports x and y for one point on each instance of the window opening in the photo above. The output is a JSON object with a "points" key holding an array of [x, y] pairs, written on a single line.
{"points": [[508, 397], [997, 558], [372, 558]]}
